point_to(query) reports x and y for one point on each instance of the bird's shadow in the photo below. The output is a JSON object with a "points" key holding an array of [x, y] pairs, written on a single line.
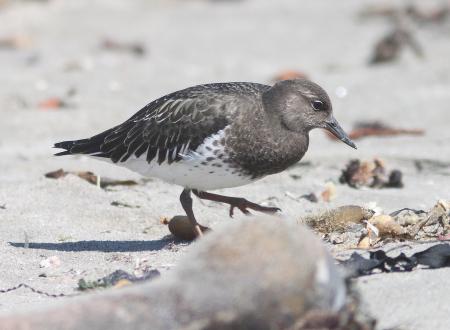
{"points": [[102, 246]]}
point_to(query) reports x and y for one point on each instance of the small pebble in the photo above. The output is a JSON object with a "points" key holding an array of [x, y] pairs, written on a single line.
{"points": [[181, 228]]}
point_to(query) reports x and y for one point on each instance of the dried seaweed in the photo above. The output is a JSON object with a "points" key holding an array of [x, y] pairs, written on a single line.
{"points": [[388, 48], [338, 219], [15, 42], [134, 48], [377, 128], [53, 103], [122, 204], [91, 178], [436, 256], [44, 293], [372, 230], [117, 278], [437, 15], [371, 174]]}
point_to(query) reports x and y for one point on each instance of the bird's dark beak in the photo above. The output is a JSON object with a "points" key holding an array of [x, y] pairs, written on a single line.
{"points": [[333, 126]]}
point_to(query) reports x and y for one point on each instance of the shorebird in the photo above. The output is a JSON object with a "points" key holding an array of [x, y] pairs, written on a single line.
{"points": [[215, 136]]}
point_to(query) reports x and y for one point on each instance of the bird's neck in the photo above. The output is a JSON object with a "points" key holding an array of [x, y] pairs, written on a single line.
{"points": [[267, 145]]}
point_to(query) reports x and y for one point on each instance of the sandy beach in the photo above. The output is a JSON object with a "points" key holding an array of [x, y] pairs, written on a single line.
{"points": [[59, 52]]}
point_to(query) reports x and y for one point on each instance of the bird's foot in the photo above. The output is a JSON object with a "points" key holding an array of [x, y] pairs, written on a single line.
{"points": [[235, 202], [244, 205]]}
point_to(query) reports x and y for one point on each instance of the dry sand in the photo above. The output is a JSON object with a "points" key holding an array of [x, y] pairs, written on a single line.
{"points": [[191, 42]]}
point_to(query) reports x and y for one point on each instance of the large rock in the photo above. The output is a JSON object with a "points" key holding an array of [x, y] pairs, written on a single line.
{"points": [[259, 274]]}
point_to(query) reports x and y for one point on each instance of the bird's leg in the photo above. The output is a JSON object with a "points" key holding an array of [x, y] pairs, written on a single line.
{"points": [[241, 203], [186, 203]]}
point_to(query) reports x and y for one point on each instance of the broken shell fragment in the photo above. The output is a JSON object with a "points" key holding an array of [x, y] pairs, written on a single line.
{"points": [[181, 228], [51, 262], [387, 226], [409, 217], [91, 178], [329, 193], [122, 283], [364, 243]]}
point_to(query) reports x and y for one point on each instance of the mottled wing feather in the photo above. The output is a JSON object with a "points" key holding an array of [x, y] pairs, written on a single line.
{"points": [[181, 125], [166, 128]]}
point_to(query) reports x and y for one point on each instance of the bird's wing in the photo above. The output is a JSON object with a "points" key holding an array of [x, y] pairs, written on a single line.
{"points": [[165, 129]]}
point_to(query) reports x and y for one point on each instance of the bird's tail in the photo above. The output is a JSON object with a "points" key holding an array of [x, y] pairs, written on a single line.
{"points": [[67, 146], [91, 146]]}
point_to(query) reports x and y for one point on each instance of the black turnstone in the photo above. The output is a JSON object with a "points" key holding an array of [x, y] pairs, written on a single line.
{"points": [[216, 136]]}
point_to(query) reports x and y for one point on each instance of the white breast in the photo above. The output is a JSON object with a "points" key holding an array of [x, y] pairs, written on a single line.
{"points": [[205, 168]]}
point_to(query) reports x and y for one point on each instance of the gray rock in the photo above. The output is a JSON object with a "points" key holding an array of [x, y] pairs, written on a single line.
{"points": [[259, 274]]}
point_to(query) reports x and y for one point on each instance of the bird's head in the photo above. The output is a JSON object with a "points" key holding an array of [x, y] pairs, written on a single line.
{"points": [[302, 106]]}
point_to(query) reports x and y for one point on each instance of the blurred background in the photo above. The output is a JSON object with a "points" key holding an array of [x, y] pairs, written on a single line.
{"points": [[73, 68]]}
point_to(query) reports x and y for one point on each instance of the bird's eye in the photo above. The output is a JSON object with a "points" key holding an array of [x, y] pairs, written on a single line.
{"points": [[318, 105]]}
